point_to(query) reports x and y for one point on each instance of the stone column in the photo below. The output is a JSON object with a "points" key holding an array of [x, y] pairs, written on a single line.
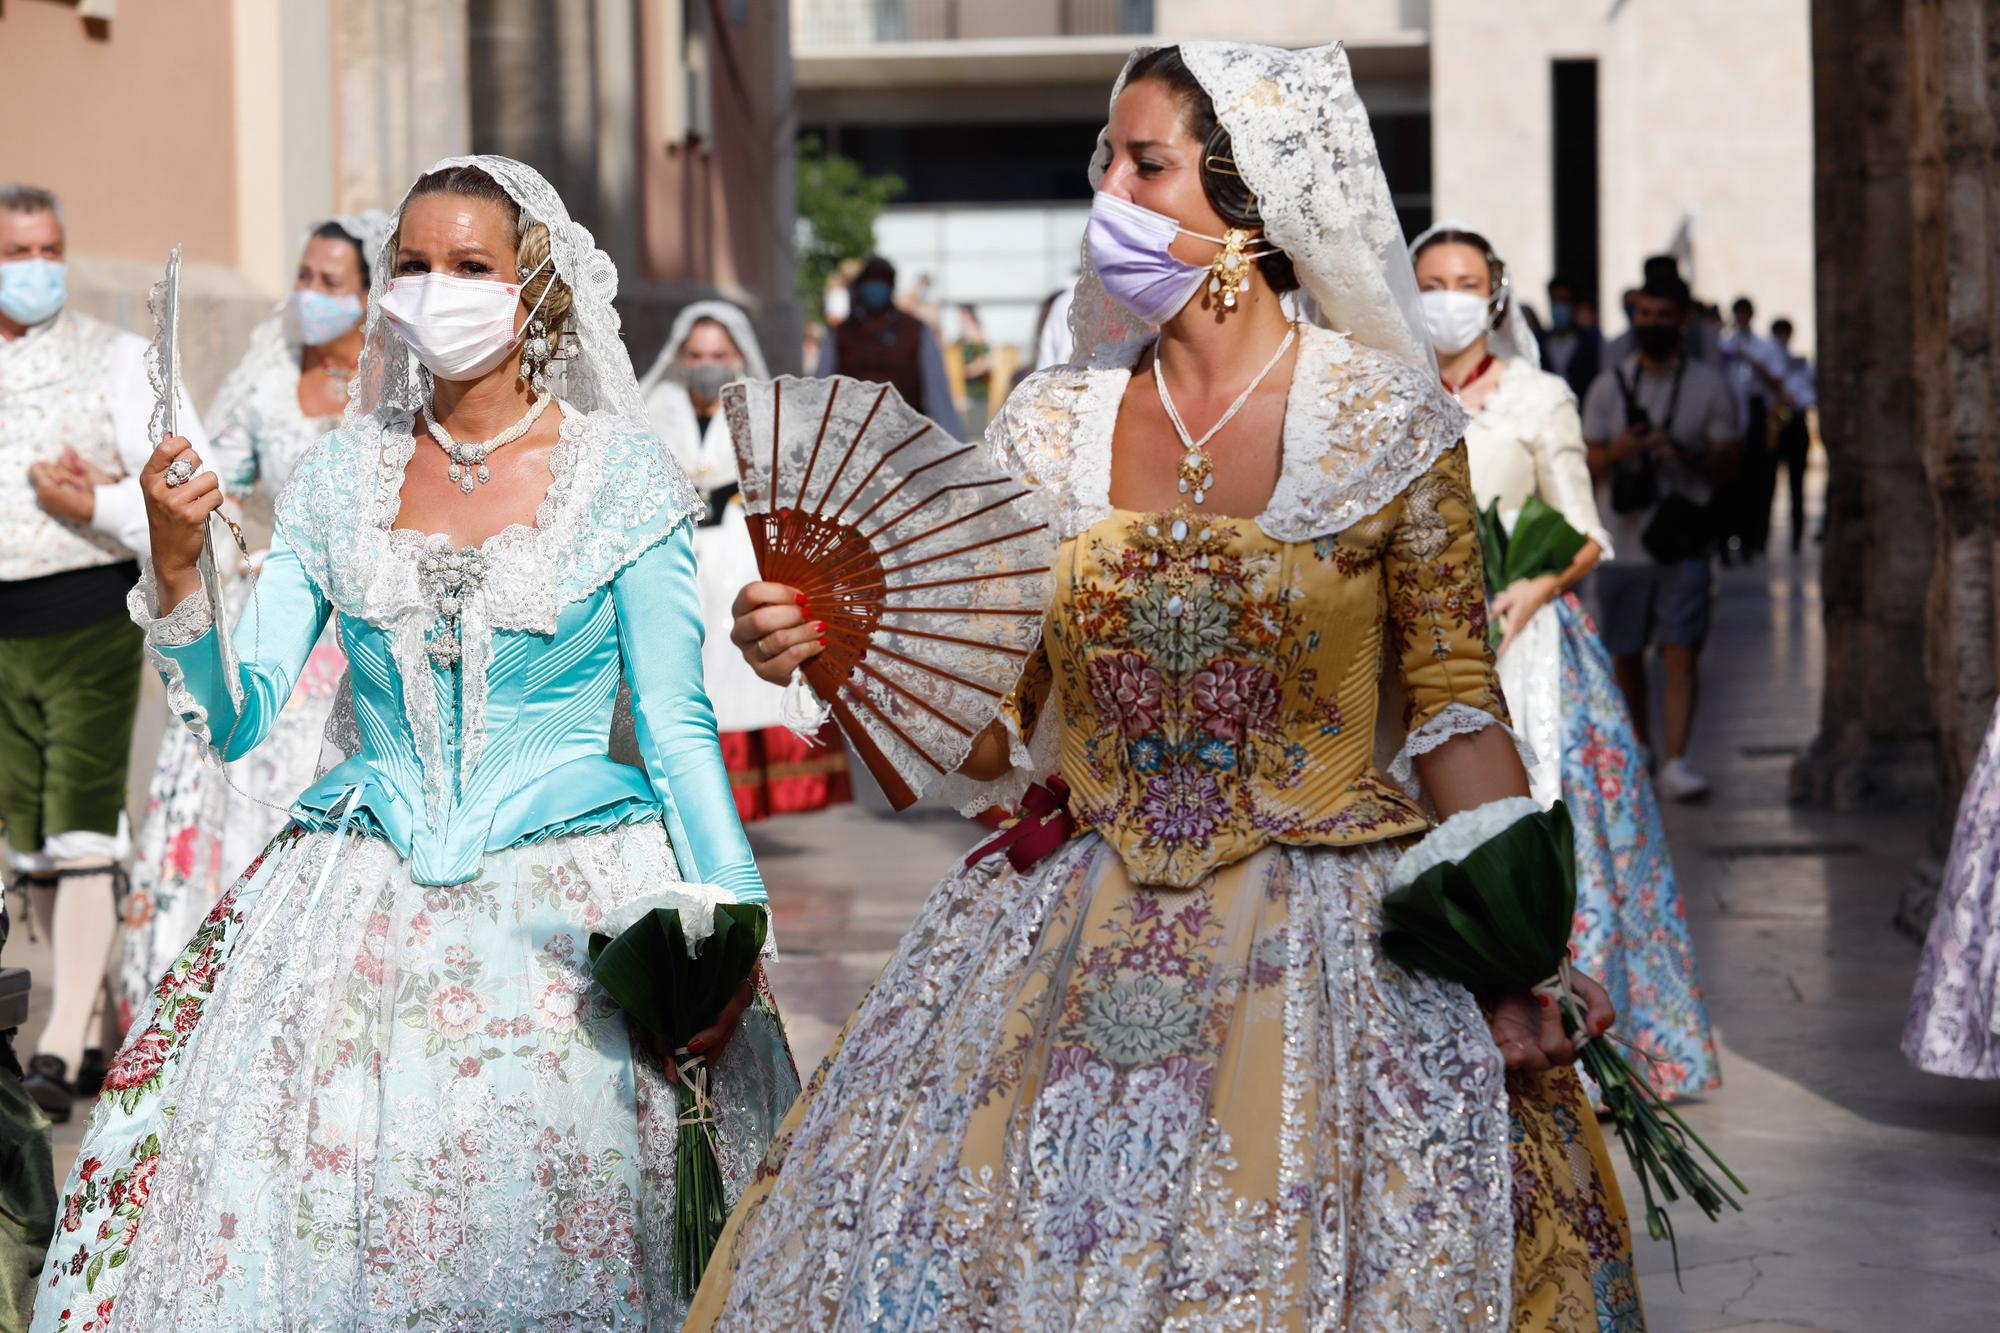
{"points": [[1953, 51], [400, 93], [1877, 738]]}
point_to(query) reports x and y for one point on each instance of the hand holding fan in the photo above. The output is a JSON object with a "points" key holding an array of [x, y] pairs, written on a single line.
{"points": [[929, 565]]}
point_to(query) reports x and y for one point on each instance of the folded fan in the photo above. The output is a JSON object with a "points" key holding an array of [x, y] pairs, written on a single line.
{"points": [[929, 565]]}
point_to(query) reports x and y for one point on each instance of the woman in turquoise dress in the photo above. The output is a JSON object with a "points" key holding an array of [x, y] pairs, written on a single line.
{"points": [[378, 1088]]}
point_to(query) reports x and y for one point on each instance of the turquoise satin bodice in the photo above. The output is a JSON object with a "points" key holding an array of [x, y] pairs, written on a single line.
{"points": [[484, 679]]}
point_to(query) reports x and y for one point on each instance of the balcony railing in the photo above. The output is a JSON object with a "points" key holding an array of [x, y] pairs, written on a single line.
{"points": [[863, 22]]}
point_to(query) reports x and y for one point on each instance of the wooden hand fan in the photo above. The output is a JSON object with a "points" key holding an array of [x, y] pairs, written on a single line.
{"points": [[929, 565]]}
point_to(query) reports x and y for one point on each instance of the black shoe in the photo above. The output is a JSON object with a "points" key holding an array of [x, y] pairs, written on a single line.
{"points": [[90, 1072], [48, 1084]]}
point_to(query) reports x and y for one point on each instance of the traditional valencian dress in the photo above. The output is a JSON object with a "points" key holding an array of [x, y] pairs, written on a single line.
{"points": [[1954, 1021], [1631, 928], [202, 828], [378, 1088], [1164, 1077], [771, 770]]}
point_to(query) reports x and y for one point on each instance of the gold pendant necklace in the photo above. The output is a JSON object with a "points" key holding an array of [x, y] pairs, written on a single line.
{"points": [[1197, 470]]}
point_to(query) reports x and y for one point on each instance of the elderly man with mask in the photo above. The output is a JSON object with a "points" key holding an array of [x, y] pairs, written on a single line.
{"points": [[75, 416]]}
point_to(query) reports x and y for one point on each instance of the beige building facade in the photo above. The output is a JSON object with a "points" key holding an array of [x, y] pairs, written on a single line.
{"points": [[1682, 124], [231, 126]]}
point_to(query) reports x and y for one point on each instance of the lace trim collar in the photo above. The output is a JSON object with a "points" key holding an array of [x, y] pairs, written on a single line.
{"points": [[1360, 425]]}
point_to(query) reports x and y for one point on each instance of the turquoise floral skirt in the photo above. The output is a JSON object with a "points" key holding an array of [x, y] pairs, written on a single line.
{"points": [[357, 1102]]}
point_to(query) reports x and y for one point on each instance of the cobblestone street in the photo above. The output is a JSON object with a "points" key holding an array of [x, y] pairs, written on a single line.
{"points": [[1876, 1190]]}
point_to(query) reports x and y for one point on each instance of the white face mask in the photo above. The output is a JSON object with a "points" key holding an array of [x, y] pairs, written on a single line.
{"points": [[460, 328], [1456, 320]]}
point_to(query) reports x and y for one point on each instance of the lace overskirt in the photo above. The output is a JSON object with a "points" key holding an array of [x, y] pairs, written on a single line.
{"points": [[1073, 1102], [1631, 928], [1954, 1022], [199, 829], [356, 1102]]}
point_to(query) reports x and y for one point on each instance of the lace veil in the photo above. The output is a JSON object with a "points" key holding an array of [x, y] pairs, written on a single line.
{"points": [[1303, 145], [729, 317], [1511, 339], [594, 372]]}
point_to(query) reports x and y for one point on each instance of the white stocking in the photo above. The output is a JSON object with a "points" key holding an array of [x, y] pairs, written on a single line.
{"points": [[83, 921]]}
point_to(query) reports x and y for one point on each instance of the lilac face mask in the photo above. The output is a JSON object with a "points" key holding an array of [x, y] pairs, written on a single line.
{"points": [[1128, 247]]}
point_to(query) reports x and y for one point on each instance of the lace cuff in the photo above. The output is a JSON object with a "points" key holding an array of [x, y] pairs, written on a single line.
{"points": [[182, 627], [802, 712], [1451, 722], [1029, 761]]}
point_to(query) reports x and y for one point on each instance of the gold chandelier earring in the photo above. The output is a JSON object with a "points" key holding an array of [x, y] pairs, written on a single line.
{"points": [[1229, 273]]}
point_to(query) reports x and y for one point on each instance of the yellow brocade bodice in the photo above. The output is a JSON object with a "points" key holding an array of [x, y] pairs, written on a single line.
{"points": [[1215, 688]]}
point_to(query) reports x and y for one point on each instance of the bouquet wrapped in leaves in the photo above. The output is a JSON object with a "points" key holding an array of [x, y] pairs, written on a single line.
{"points": [[1541, 542], [672, 970], [1486, 901]]}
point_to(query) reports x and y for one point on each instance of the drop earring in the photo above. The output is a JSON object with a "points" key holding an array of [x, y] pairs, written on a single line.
{"points": [[1229, 273], [536, 350]]}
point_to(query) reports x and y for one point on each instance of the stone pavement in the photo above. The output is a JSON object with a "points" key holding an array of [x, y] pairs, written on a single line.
{"points": [[1876, 1200]]}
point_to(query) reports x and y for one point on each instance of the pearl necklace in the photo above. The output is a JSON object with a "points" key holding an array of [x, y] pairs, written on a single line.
{"points": [[1197, 471], [469, 460]]}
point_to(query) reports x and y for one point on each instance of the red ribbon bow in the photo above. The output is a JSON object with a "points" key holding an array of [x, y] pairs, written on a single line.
{"points": [[1041, 825]]}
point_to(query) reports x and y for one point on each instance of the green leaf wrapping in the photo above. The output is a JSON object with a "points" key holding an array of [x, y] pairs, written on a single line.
{"points": [[1497, 919], [1542, 542], [1493, 547], [673, 993]]}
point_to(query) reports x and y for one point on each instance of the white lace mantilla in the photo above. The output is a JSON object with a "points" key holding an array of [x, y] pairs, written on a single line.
{"points": [[1360, 426], [614, 495]]}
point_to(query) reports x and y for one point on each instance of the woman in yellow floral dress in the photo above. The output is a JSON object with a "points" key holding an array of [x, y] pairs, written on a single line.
{"points": [[1157, 1074]]}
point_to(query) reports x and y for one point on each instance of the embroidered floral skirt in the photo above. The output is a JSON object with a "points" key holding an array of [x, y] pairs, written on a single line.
{"points": [[1070, 1102], [1954, 1023], [1631, 927], [356, 1102], [199, 831]]}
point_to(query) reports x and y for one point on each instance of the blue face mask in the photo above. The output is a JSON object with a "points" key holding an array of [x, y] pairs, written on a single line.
{"points": [[32, 290], [320, 317], [873, 295], [1561, 314]]}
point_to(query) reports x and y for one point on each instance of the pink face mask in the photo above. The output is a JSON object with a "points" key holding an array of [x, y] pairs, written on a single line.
{"points": [[1128, 247]]}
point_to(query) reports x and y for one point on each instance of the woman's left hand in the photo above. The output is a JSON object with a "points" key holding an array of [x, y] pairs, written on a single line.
{"points": [[1529, 1031], [711, 1040], [1518, 602]]}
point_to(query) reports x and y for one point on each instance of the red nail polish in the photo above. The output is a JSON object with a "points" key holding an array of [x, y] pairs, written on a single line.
{"points": [[1602, 1025], [820, 629], [697, 1046], [1544, 1000], [800, 598]]}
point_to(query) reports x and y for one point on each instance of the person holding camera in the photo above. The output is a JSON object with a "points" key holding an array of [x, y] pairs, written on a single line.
{"points": [[1662, 431]]}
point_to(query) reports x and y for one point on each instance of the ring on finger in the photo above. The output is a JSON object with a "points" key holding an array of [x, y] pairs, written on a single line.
{"points": [[180, 471]]}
